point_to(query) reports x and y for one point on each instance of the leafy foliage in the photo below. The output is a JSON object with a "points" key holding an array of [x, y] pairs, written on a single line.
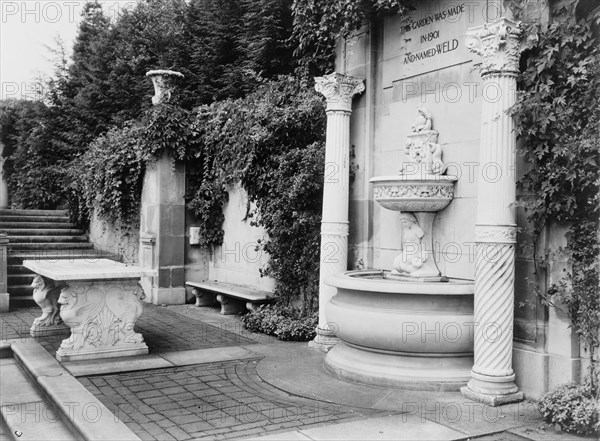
{"points": [[284, 322], [557, 119], [272, 142], [222, 47], [573, 408], [318, 24], [109, 176]]}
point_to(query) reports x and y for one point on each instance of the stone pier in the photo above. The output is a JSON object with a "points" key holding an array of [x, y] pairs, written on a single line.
{"points": [[162, 225], [338, 89], [492, 376]]}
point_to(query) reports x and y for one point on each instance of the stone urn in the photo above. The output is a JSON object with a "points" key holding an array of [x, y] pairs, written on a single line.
{"points": [[163, 84]]}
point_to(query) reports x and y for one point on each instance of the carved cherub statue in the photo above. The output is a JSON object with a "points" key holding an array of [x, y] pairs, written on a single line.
{"points": [[422, 121], [434, 159], [413, 253], [45, 294]]}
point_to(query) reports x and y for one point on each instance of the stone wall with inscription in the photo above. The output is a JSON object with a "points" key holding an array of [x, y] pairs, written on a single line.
{"points": [[411, 62], [422, 61]]}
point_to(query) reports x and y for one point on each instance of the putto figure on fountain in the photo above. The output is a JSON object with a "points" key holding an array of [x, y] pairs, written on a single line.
{"points": [[422, 149]]}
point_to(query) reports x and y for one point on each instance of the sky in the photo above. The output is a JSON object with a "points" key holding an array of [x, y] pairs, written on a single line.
{"points": [[26, 28]]}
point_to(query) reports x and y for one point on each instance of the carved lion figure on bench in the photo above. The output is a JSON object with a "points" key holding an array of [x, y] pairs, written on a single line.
{"points": [[45, 294]]}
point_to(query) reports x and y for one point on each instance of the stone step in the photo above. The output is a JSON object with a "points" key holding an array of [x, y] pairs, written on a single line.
{"points": [[45, 239], [20, 291], [22, 301], [27, 212], [17, 258], [35, 225], [42, 247], [22, 416], [20, 279], [33, 219], [15, 232], [17, 269], [59, 391]]}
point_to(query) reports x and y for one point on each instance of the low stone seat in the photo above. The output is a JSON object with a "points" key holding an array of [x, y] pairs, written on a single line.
{"points": [[232, 297]]}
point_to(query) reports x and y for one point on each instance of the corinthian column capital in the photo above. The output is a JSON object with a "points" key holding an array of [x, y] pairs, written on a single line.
{"points": [[339, 89], [498, 44]]}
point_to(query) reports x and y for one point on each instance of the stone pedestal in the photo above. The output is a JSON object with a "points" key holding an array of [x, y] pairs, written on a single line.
{"points": [[338, 89], [492, 376], [4, 297], [100, 303], [162, 225]]}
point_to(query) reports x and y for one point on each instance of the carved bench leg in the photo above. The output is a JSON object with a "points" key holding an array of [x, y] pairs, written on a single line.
{"points": [[203, 298], [46, 294], [229, 305], [251, 306]]}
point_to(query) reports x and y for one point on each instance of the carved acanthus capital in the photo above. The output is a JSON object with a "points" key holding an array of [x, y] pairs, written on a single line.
{"points": [[498, 44], [339, 89]]}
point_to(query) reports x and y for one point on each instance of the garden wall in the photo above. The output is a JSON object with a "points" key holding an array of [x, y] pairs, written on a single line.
{"points": [[106, 237], [238, 260]]}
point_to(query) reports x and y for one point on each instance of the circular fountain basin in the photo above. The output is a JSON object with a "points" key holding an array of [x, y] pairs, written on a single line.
{"points": [[412, 335], [414, 192]]}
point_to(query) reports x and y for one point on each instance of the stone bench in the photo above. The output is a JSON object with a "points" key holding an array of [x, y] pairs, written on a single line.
{"points": [[232, 297]]}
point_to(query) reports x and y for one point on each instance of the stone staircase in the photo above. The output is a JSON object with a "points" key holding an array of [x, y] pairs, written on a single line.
{"points": [[40, 235]]}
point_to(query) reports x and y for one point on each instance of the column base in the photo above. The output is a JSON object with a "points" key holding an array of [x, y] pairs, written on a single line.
{"points": [[493, 391], [323, 341]]}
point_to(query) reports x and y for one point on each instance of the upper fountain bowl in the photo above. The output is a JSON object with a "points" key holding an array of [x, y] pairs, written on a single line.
{"points": [[427, 192]]}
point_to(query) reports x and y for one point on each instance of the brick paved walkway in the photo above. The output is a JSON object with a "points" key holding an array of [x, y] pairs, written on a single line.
{"points": [[163, 330], [226, 400]]}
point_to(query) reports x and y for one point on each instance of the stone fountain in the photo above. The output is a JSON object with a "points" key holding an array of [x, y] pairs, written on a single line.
{"points": [[410, 327]]}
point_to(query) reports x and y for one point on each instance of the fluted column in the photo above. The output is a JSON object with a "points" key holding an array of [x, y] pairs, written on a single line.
{"points": [[492, 376], [338, 89]]}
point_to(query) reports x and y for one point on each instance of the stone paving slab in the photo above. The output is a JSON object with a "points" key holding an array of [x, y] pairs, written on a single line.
{"points": [[225, 400], [121, 364], [543, 432], [393, 427], [164, 330]]}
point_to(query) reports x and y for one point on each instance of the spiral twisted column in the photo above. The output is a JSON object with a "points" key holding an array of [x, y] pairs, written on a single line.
{"points": [[492, 376], [338, 90]]}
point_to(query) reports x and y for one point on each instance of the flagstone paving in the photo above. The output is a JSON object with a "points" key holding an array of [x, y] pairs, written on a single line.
{"points": [[225, 400]]}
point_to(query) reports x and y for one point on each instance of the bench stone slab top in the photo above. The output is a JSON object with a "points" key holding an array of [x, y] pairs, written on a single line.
{"points": [[230, 289], [84, 269]]}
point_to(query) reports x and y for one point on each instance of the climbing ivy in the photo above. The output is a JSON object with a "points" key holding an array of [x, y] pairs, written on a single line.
{"points": [[272, 143], [317, 25], [557, 120], [109, 176]]}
